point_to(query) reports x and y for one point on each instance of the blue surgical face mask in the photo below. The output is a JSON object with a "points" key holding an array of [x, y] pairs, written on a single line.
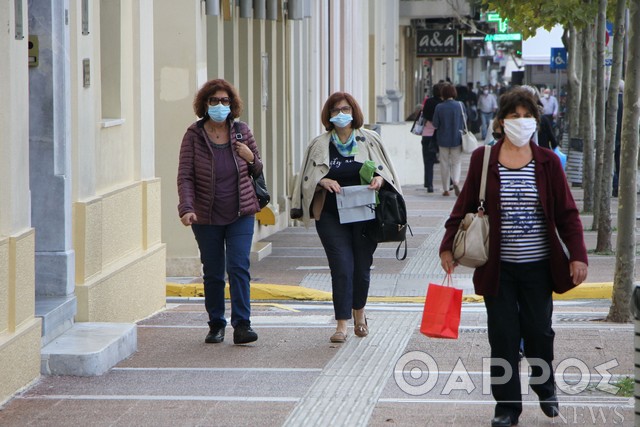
{"points": [[219, 112], [341, 120]]}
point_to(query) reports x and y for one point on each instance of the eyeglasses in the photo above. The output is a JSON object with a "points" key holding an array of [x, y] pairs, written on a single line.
{"points": [[215, 101], [345, 110]]}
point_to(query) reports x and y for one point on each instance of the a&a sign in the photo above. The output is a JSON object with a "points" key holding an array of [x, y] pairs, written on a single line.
{"points": [[439, 43]]}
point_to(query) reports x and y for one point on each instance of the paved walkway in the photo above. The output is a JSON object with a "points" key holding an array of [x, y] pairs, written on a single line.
{"points": [[294, 376]]}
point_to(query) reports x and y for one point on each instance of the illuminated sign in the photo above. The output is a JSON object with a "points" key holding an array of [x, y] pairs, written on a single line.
{"points": [[509, 37]]}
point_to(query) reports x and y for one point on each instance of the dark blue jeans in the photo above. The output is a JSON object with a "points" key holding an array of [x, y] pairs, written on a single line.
{"points": [[522, 309], [350, 255], [226, 248]]}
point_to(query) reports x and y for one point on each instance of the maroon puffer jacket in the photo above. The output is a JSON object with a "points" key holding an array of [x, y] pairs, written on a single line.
{"points": [[197, 171]]}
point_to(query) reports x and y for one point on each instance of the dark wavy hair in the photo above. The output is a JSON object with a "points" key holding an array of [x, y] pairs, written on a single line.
{"points": [[517, 97], [201, 100], [356, 111]]}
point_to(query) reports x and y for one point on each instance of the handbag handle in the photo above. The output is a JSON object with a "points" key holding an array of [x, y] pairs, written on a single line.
{"points": [[483, 180], [464, 117]]}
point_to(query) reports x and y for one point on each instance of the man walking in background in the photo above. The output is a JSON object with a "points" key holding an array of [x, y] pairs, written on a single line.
{"points": [[549, 105], [488, 105]]}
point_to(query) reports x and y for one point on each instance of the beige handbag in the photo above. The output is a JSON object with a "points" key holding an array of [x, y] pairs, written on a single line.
{"points": [[471, 243]]}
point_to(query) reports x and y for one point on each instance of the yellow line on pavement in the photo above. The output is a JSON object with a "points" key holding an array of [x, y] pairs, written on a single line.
{"points": [[264, 291]]}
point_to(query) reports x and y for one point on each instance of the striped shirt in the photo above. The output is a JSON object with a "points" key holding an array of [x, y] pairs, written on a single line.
{"points": [[524, 231]]}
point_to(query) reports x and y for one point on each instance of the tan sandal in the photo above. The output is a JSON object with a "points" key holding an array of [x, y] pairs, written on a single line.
{"points": [[360, 329], [338, 337]]}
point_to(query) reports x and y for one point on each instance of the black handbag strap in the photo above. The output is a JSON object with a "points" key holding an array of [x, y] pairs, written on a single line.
{"points": [[483, 179], [404, 255]]}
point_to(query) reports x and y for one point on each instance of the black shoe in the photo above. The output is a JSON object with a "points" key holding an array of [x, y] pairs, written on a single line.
{"points": [[243, 334], [503, 421], [215, 335], [429, 189], [550, 406]]}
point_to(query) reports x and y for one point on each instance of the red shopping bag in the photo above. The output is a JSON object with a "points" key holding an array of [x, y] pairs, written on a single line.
{"points": [[442, 307]]}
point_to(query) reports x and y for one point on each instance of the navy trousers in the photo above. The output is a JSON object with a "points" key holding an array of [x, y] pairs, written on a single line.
{"points": [[350, 255]]}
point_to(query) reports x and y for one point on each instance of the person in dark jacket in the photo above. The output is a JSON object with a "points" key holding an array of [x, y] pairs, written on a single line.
{"points": [[429, 144], [616, 149], [530, 210], [218, 158], [545, 136]]}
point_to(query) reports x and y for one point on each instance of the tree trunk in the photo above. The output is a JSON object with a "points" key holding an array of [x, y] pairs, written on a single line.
{"points": [[586, 122], [574, 78], [620, 310], [601, 29], [604, 226]]}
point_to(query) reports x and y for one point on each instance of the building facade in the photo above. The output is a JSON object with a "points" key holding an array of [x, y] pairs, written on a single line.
{"points": [[80, 235]]}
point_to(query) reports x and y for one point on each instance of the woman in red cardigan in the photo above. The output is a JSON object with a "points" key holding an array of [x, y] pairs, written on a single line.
{"points": [[530, 210]]}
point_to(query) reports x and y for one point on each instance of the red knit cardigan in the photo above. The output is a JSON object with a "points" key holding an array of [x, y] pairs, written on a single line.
{"points": [[559, 208]]}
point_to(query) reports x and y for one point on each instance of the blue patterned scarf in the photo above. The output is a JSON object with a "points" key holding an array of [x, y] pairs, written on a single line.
{"points": [[349, 148]]}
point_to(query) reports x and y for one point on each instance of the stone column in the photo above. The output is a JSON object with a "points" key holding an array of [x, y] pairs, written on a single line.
{"points": [[50, 149]]}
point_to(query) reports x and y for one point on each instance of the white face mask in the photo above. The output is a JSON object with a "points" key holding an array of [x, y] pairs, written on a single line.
{"points": [[519, 131], [486, 91]]}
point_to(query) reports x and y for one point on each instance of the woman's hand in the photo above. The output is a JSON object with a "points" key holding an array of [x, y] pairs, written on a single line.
{"points": [[244, 151], [447, 262], [188, 219], [578, 270], [330, 185], [376, 183]]}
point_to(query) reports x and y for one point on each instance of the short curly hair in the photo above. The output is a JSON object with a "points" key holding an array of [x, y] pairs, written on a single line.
{"points": [[356, 111], [201, 100], [517, 97]]}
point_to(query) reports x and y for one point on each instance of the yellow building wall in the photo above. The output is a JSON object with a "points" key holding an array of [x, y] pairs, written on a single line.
{"points": [[120, 260], [19, 329]]}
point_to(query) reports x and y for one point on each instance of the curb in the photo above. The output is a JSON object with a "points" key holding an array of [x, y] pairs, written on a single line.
{"points": [[270, 292]]}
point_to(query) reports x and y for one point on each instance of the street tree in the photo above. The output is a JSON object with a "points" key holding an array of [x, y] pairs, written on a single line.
{"points": [[600, 95], [586, 122], [620, 310], [603, 243]]}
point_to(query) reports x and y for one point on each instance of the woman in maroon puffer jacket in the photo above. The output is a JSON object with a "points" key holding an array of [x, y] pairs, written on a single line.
{"points": [[218, 158]]}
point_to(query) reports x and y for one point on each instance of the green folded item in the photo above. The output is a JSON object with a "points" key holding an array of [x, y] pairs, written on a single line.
{"points": [[367, 171]]}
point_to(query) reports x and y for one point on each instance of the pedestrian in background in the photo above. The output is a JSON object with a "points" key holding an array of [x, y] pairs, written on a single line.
{"points": [[218, 157], [487, 105], [544, 136], [549, 105], [448, 120], [332, 161], [616, 148], [530, 211], [473, 121], [429, 143]]}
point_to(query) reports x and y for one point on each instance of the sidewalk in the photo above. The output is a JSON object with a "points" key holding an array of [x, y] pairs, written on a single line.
{"points": [[294, 376]]}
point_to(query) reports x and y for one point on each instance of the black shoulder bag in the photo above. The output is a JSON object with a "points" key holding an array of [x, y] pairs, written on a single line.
{"points": [[390, 224]]}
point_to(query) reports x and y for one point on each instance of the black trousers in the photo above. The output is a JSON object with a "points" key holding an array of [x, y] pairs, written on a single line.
{"points": [[350, 255], [522, 309], [429, 156]]}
